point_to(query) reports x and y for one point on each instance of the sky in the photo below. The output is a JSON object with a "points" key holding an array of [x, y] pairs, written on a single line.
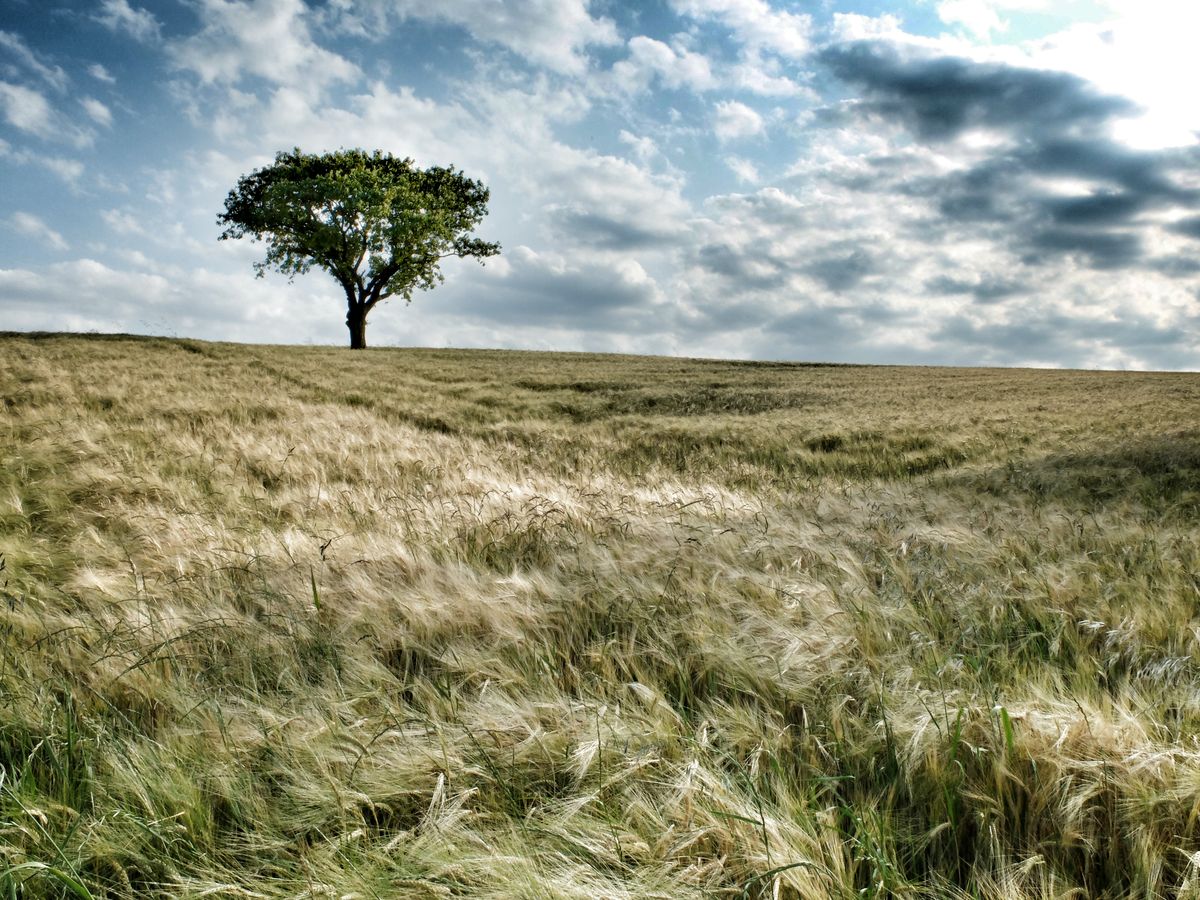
{"points": [[948, 182]]}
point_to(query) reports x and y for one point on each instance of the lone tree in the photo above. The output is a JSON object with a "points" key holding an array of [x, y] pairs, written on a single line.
{"points": [[378, 224]]}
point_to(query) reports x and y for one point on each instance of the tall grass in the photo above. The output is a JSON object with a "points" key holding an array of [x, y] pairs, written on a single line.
{"points": [[284, 622]]}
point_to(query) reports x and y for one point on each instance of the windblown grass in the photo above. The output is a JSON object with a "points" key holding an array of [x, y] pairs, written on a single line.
{"points": [[283, 622]]}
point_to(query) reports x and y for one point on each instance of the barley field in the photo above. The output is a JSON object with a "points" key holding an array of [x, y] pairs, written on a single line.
{"points": [[302, 623]]}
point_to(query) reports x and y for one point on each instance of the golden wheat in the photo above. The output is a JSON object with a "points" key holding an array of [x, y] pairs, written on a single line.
{"points": [[295, 622]]}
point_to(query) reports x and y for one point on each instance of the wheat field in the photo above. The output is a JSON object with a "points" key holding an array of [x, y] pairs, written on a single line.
{"points": [[299, 622]]}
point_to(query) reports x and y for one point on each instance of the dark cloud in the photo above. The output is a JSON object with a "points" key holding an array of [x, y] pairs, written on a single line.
{"points": [[842, 272], [1037, 336], [593, 229], [939, 97], [1095, 248], [770, 206], [1189, 226], [1051, 126], [1104, 208], [1176, 266], [985, 290], [981, 194], [835, 322], [591, 296], [755, 267], [750, 268], [864, 330], [1100, 159]]}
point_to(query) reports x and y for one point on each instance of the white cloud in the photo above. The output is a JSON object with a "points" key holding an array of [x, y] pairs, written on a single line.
{"points": [[1143, 50], [734, 120], [123, 222], [761, 76], [27, 109], [98, 112], [69, 170], [673, 67], [1146, 51], [138, 23], [550, 33], [85, 294], [16, 47], [609, 294], [602, 250], [755, 24], [506, 137], [266, 38], [676, 66], [857, 27], [979, 17], [31, 226], [100, 73], [643, 148], [744, 169]]}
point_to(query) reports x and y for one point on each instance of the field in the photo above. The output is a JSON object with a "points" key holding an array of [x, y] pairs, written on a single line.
{"points": [[301, 622]]}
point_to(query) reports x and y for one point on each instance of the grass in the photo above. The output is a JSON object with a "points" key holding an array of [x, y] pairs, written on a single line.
{"points": [[285, 622]]}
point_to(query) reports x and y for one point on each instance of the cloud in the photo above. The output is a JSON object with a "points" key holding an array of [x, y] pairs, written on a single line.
{"points": [[138, 23], [123, 222], [1104, 207], [554, 34], [98, 112], [1100, 249], [851, 27], [757, 75], [69, 170], [100, 73], [948, 202], [85, 294], [733, 121], [1189, 226], [652, 63], [744, 169], [16, 47], [1142, 50], [546, 188], [941, 97], [982, 287], [755, 24], [269, 39], [979, 17], [1037, 334], [27, 109], [550, 289], [643, 148], [595, 210], [583, 227], [594, 200], [843, 271], [846, 268], [31, 226], [1017, 156], [673, 68]]}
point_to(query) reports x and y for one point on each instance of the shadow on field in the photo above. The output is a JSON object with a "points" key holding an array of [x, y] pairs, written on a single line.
{"points": [[1161, 473], [76, 336]]}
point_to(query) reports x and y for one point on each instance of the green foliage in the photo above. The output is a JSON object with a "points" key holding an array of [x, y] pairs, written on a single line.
{"points": [[378, 224]]}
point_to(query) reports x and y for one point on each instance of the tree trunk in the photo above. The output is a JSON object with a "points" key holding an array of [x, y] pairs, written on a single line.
{"points": [[356, 321]]}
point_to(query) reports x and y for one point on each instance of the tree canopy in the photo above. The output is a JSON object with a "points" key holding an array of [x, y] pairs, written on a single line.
{"points": [[378, 224]]}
